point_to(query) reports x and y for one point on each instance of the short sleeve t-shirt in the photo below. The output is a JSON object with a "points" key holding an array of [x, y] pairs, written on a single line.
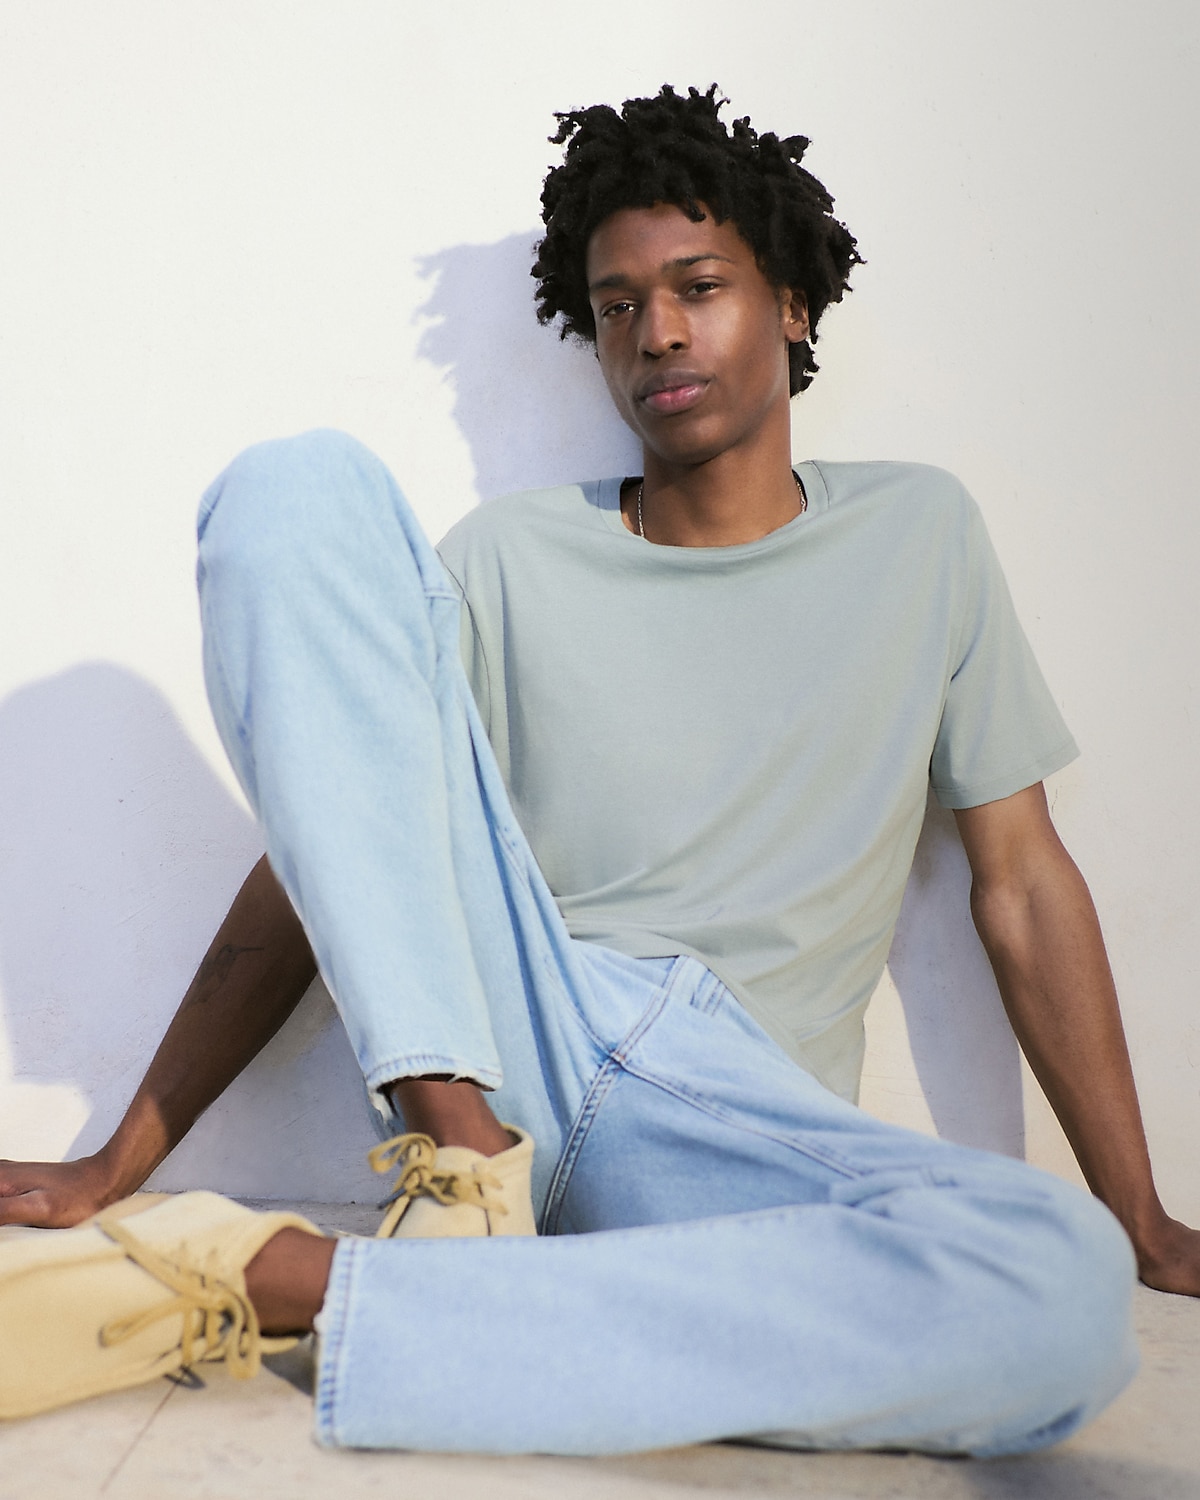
{"points": [[725, 752]]}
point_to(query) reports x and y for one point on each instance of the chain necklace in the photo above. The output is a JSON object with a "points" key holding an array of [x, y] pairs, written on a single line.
{"points": [[642, 486]]}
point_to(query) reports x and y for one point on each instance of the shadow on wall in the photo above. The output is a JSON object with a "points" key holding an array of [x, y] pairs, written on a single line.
{"points": [[119, 854], [964, 1050], [534, 411]]}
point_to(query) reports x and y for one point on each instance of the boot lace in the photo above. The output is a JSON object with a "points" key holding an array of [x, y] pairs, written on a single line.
{"points": [[415, 1156], [218, 1322]]}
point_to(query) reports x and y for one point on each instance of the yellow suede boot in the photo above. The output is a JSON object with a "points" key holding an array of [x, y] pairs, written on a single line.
{"points": [[452, 1192], [150, 1286]]}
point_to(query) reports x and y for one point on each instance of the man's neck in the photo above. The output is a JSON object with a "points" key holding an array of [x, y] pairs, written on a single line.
{"points": [[727, 500], [734, 497]]}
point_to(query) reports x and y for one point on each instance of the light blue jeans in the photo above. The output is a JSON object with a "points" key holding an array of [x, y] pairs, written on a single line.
{"points": [[729, 1250]]}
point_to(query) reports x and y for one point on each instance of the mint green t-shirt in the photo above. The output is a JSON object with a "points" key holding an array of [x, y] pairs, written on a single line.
{"points": [[725, 751]]}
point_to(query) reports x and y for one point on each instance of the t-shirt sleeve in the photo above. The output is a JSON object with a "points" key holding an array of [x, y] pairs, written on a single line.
{"points": [[1001, 730]]}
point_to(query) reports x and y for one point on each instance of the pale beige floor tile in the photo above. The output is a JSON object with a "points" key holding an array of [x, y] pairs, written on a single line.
{"points": [[76, 1450], [1158, 1417]]}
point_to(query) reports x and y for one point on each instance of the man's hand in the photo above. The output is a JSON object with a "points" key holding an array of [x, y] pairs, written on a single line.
{"points": [[1037, 922], [251, 979], [1169, 1258], [52, 1194]]}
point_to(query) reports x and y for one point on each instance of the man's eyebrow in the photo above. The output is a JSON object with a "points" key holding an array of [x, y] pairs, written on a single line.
{"points": [[619, 278]]}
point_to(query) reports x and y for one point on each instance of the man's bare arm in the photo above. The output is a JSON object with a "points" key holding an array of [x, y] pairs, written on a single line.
{"points": [[250, 981], [1036, 919]]}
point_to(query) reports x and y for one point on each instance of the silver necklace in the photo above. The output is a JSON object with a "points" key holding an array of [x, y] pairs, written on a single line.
{"points": [[642, 486]]}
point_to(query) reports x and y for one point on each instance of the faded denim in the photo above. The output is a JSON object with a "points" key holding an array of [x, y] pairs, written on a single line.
{"points": [[729, 1249]]}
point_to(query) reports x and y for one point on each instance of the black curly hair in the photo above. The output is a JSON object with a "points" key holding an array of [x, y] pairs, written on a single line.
{"points": [[672, 149]]}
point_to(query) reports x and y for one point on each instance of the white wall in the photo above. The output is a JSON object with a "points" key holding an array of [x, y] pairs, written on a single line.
{"points": [[234, 219]]}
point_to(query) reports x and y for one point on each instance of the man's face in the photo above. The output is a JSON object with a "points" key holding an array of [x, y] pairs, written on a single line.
{"points": [[690, 335]]}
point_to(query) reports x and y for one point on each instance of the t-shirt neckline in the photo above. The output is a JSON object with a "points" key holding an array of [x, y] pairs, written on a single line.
{"points": [[609, 504]]}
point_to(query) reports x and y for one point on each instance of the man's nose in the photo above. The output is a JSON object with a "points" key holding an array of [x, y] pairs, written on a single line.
{"points": [[663, 326]]}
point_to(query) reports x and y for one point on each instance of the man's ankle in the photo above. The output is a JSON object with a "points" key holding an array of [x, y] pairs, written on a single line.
{"points": [[450, 1113], [286, 1281]]}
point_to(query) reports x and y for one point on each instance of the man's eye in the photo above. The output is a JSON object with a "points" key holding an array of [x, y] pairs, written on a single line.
{"points": [[703, 286], [616, 308]]}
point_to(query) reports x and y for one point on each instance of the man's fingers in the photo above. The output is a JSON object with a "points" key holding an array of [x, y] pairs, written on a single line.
{"points": [[45, 1195], [28, 1206]]}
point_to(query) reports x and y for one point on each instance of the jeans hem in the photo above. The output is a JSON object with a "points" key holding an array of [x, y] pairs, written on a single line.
{"points": [[423, 1064], [334, 1315]]}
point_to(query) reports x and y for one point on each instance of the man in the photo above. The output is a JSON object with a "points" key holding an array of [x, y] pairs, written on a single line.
{"points": [[710, 698]]}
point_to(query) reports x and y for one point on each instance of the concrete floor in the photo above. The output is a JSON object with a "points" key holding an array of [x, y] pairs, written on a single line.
{"points": [[231, 1440]]}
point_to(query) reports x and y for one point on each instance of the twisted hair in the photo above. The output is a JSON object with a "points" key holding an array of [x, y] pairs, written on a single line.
{"points": [[672, 149]]}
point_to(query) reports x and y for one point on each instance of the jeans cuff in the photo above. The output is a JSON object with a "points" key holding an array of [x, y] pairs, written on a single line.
{"points": [[331, 1335], [421, 1065]]}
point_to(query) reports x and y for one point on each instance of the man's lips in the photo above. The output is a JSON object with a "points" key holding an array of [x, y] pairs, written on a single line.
{"points": [[672, 391]]}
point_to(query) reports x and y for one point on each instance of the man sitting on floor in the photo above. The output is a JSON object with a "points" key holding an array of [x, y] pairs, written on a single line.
{"points": [[623, 888]]}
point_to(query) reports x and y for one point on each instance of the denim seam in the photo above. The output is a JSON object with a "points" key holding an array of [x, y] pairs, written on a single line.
{"points": [[606, 1076], [727, 1117], [511, 840], [554, 972], [658, 1003], [702, 1102], [505, 828], [238, 719], [514, 853], [708, 997], [514, 847], [335, 1314]]}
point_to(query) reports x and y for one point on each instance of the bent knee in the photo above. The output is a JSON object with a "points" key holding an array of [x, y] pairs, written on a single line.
{"points": [[291, 462], [1073, 1316], [1090, 1285], [283, 490]]}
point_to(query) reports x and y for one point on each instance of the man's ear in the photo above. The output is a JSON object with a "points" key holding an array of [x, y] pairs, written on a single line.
{"points": [[794, 307]]}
